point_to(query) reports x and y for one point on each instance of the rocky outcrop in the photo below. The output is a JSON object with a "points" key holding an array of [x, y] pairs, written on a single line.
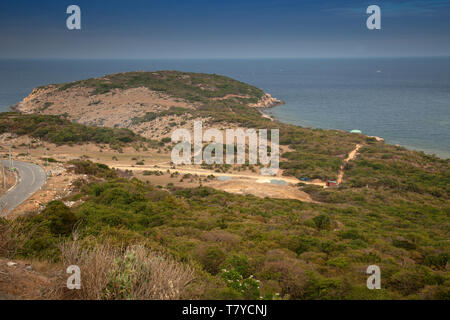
{"points": [[267, 101]]}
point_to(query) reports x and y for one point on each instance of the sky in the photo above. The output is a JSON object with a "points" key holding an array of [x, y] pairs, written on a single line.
{"points": [[150, 29]]}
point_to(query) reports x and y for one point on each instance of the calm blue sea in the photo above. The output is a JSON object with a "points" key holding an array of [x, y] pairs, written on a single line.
{"points": [[404, 100]]}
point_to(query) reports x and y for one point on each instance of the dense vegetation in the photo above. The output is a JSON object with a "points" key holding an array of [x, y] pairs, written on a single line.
{"points": [[400, 170], [392, 209], [266, 247], [56, 129], [189, 86]]}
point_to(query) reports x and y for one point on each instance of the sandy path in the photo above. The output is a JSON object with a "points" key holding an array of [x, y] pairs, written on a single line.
{"points": [[228, 96], [352, 155], [205, 172]]}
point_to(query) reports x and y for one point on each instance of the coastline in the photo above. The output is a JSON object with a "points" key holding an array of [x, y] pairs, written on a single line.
{"points": [[442, 154], [269, 102], [308, 83], [263, 109], [278, 103], [265, 115]]}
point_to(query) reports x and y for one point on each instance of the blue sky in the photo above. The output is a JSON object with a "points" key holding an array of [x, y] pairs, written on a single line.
{"points": [[223, 29]]}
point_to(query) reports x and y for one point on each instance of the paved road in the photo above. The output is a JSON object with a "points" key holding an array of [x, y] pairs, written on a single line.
{"points": [[31, 178]]}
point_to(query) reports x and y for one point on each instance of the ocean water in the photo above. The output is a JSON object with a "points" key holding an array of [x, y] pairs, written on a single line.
{"points": [[404, 100]]}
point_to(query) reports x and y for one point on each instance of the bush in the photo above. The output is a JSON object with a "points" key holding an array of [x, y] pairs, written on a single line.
{"points": [[407, 282], [60, 218], [211, 259], [437, 261], [289, 273], [239, 263], [339, 262], [247, 287], [94, 169], [322, 222], [303, 244], [352, 234], [320, 287], [405, 244]]}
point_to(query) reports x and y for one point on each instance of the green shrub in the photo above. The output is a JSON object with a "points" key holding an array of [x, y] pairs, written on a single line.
{"points": [[407, 282], [405, 244], [212, 259], [352, 234], [339, 262], [247, 287], [93, 169], [321, 288], [59, 217], [322, 222], [439, 261], [61, 131], [300, 245], [239, 263]]}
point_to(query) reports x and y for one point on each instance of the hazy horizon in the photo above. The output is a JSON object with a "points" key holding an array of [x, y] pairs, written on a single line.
{"points": [[244, 29], [227, 58]]}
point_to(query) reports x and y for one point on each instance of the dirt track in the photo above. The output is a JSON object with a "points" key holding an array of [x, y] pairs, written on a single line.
{"points": [[204, 172], [244, 183], [352, 155]]}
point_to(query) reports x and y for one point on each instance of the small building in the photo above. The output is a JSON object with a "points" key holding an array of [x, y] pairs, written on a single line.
{"points": [[356, 131], [331, 183]]}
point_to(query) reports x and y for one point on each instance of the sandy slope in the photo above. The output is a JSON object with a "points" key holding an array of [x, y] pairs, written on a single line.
{"points": [[113, 109]]}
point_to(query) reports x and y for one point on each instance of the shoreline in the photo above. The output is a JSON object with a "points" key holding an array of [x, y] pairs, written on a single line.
{"points": [[444, 155], [439, 154], [269, 102], [265, 115]]}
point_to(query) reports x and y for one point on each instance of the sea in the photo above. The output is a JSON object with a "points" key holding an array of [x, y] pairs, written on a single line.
{"points": [[406, 101]]}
